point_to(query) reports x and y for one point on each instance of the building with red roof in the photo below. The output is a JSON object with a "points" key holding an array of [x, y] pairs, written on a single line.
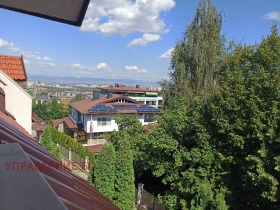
{"points": [[97, 116], [14, 67], [14, 98]]}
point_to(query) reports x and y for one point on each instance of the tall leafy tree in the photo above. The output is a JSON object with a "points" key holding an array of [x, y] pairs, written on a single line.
{"points": [[104, 171], [124, 182], [198, 55], [245, 124]]}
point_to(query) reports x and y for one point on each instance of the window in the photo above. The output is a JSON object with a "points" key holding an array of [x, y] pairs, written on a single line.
{"points": [[149, 118], [151, 103], [103, 121], [99, 135], [121, 100]]}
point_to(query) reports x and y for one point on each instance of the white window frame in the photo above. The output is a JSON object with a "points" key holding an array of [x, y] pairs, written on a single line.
{"points": [[103, 121]]}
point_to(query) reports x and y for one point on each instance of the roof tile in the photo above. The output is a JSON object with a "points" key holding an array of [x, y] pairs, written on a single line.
{"points": [[13, 66]]}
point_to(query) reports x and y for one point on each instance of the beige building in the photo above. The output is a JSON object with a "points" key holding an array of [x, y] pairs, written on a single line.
{"points": [[14, 100]]}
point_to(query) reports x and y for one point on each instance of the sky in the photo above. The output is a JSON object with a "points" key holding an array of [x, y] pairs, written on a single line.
{"points": [[124, 39]]}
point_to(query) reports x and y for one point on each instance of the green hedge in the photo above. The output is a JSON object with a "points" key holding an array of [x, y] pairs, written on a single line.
{"points": [[70, 143]]}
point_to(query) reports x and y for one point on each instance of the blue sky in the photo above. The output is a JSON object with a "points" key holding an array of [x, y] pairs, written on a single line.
{"points": [[124, 38]]}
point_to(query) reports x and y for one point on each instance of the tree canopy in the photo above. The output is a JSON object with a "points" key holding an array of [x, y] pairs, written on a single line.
{"points": [[218, 150]]}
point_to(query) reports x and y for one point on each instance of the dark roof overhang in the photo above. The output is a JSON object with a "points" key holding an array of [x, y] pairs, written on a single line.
{"points": [[66, 11]]}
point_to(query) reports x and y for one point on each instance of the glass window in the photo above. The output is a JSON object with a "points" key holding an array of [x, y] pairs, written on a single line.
{"points": [[149, 118], [103, 121]]}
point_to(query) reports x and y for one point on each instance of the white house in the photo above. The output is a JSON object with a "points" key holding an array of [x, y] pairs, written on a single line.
{"points": [[97, 117], [16, 101]]}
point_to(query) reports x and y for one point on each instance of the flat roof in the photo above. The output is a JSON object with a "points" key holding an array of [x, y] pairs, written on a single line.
{"points": [[128, 89]]}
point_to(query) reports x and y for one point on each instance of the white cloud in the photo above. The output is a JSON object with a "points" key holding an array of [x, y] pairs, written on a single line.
{"points": [[9, 45], [133, 69], [126, 16], [144, 40], [46, 63], [30, 55], [78, 66], [47, 59], [274, 15], [26, 61], [103, 66], [34, 57], [167, 54]]}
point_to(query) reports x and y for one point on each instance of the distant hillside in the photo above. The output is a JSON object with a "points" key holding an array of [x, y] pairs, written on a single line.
{"points": [[98, 81]]}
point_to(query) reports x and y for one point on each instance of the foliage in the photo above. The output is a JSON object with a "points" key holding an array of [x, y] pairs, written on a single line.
{"points": [[48, 143], [197, 57], [220, 151], [227, 145], [104, 171], [50, 110], [78, 97], [81, 137], [245, 122], [70, 143], [124, 182]]}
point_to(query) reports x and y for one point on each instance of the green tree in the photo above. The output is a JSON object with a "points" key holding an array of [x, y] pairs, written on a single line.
{"points": [[245, 124], [124, 182], [78, 97], [47, 142], [197, 57], [104, 171]]}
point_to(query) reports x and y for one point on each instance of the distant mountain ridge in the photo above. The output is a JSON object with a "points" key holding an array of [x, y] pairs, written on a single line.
{"points": [[98, 81]]}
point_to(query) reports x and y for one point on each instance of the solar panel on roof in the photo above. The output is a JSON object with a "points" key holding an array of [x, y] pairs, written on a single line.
{"points": [[125, 107], [101, 108]]}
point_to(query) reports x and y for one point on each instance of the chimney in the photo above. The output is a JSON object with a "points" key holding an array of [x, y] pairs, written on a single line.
{"points": [[110, 94], [138, 86], [2, 101], [95, 95]]}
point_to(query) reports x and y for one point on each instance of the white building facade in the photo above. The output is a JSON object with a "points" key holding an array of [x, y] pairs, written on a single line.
{"points": [[97, 117], [17, 101]]}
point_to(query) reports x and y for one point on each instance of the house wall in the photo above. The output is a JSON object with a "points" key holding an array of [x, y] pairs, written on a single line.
{"points": [[18, 102], [147, 100], [74, 114], [92, 120], [105, 128], [99, 128]]}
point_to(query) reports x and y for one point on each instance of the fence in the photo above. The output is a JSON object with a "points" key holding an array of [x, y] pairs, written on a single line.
{"points": [[72, 156], [147, 200]]}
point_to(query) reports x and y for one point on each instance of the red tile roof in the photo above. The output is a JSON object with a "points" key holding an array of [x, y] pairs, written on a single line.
{"points": [[85, 105], [37, 119], [38, 127], [95, 148], [73, 191], [13, 66], [57, 122], [12, 121], [69, 122]]}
